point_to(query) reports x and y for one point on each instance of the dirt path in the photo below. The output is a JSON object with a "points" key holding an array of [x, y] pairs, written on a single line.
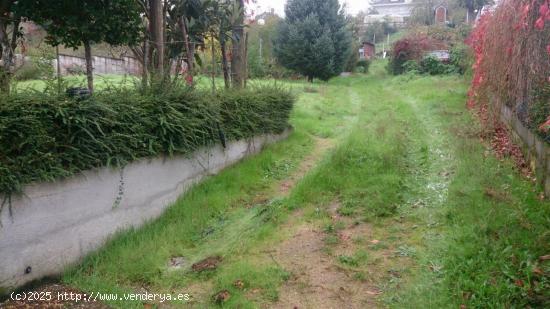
{"points": [[317, 280], [322, 145]]}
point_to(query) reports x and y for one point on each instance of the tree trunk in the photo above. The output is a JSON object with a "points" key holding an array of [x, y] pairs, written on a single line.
{"points": [[157, 36], [189, 53], [226, 77], [89, 66], [237, 61], [5, 55], [58, 69], [213, 66], [145, 64], [245, 68]]}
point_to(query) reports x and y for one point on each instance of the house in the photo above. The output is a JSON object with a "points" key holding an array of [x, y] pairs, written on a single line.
{"points": [[440, 11], [397, 11], [367, 51]]}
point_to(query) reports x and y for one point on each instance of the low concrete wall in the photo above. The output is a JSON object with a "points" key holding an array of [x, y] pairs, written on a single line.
{"points": [[55, 224], [536, 151]]}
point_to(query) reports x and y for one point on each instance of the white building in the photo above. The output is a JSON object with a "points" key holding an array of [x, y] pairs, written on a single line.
{"points": [[392, 10]]}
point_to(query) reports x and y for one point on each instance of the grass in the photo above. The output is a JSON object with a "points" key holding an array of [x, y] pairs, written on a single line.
{"points": [[407, 162], [102, 81]]}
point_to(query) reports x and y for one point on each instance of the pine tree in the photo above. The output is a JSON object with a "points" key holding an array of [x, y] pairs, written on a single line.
{"points": [[313, 39]]}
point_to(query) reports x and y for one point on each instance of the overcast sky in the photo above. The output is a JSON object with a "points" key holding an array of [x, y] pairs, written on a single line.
{"points": [[353, 6]]}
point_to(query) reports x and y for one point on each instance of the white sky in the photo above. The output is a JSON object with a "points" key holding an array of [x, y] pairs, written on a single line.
{"points": [[353, 6]]}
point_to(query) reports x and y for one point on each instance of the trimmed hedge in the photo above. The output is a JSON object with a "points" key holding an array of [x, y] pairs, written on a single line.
{"points": [[43, 138]]}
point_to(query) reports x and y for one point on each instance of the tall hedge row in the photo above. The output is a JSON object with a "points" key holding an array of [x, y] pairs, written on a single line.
{"points": [[43, 137], [512, 63]]}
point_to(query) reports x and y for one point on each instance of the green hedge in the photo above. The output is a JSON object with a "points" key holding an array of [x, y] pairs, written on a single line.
{"points": [[43, 138]]}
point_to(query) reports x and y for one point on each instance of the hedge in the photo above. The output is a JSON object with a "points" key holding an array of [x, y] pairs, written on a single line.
{"points": [[43, 137]]}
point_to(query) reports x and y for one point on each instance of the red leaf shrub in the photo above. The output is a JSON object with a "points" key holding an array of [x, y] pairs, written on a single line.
{"points": [[512, 63], [411, 47]]}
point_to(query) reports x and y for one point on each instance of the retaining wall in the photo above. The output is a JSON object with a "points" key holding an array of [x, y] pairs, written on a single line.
{"points": [[54, 225], [536, 151]]}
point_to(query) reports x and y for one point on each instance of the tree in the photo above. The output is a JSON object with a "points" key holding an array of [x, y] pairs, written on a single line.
{"points": [[82, 23], [8, 42], [260, 45], [313, 39], [422, 13], [378, 30], [238, 60]]}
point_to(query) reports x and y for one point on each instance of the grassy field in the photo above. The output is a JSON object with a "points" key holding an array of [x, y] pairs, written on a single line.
{"points": [[384, 180], [111, 81]]}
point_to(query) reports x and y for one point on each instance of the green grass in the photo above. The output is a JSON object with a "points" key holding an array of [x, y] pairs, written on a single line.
{"points": [[102, 81], [462, 226]]}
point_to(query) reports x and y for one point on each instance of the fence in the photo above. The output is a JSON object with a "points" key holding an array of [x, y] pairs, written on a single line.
{"points": [[102, 65]]}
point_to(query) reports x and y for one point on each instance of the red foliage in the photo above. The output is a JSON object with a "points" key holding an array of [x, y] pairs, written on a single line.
{"points": [[477, 42], [412, 47], [545, 127], [504, 147], [511, 62]]}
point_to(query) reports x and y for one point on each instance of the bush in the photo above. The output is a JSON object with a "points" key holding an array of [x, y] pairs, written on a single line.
{"points": [[28, 71], [431, 65], [411, 66], [512, 52], [37, 68], [412, 47], [44, 137], [462, 58], [76, 69], [363, 66]]}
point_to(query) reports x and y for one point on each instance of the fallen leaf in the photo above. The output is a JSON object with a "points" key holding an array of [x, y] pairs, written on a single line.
{"points": [[239, 284], [222, 296]]}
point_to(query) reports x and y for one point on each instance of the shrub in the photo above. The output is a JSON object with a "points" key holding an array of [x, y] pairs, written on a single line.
{"points": [[76, 69], [461, 58], [411, 66], [512, 62], [37, 68], [431, 65], [412, 47], [28, 71], [363, 66], [44, 137]]}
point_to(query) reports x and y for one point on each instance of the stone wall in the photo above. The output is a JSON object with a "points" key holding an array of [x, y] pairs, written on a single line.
{"points": [[536, 151], [54, 225]]}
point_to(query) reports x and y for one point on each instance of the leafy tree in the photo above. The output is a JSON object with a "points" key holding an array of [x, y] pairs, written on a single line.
{"points": [[378, 30], [260, 45], [77, 23], [313, 39], [473, 5]]}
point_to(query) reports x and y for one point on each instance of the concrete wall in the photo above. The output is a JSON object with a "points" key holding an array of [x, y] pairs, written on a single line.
{"points": [[101, 65], [536, 151], [55, 224]]}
